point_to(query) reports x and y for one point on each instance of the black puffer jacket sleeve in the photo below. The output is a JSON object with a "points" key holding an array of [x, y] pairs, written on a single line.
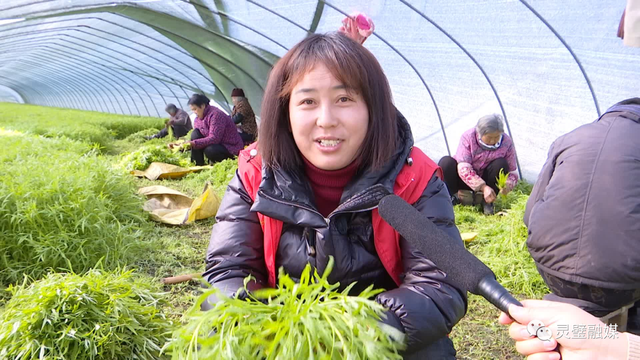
{"points": [[236, 246], [425, 307]]}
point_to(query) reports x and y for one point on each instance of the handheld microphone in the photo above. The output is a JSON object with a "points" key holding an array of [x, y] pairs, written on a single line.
{"points": [[463, 269]]}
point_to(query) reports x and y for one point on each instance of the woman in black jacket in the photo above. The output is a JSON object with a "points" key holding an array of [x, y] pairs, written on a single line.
{"points": [[332, 144]]}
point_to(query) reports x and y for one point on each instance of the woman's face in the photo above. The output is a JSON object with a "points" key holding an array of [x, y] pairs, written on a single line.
{"points": [[491, 138], [328, 122], [198, 110]]}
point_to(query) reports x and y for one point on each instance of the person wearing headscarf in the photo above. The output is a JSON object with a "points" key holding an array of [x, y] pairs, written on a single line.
{"points": [[483, 152], [243, 116]]}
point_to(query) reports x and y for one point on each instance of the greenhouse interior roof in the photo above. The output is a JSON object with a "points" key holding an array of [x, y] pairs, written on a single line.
{"points": [[547, 66]]}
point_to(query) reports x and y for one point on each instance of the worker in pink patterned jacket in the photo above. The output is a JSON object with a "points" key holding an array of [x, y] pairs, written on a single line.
{"points": [[482, 153], [214, 134]]}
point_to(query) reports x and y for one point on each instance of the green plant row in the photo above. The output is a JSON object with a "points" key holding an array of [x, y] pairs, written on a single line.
{"points": [[99, 315], [88, 126], [501, 242], [63, 208]]}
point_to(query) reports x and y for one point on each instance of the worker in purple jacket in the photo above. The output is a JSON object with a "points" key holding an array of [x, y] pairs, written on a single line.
{"points": [[214, 134]]}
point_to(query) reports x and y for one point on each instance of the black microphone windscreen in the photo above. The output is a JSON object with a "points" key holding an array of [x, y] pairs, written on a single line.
{"points": [[463, 269]]}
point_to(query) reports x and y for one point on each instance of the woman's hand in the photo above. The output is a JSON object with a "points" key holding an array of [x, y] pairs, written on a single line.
{"points": [[561, 319], [180, 146], [175, 146], [505, 190], [489, 194]]}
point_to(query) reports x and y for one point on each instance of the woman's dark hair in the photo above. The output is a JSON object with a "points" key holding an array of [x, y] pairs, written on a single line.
{"points": [[357, 69], [198, 100]]}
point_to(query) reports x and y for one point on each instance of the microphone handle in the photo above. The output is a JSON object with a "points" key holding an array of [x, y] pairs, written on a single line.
{"points": [[490, 289], [496, 294]]}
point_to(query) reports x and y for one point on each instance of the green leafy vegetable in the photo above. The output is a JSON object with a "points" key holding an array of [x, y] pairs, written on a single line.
{"points": [[170, 131], [305, 320], [501, 181], [139, 137], [96, 316], [154, 151]]}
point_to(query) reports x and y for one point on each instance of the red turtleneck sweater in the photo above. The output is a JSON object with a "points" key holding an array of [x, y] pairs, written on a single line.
{"points": [[327, 185]]}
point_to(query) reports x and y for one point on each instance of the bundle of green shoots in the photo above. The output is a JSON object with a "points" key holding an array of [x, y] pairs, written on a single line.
{"points": [[170, 131], [305, 320], [501, 181]]}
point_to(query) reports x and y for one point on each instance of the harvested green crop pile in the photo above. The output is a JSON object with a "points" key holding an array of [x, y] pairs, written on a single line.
{"points": [[219, 176], [62, 210], [307, 320], [96, 316], [139, 137], [154, 151]]}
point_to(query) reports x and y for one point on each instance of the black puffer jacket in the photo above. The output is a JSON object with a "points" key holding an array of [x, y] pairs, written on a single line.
{"points": [[426, 307]]}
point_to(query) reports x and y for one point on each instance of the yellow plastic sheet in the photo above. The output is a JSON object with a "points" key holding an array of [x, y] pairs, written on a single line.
{"points": [[172, 207], [158, 170], [468, 236]]}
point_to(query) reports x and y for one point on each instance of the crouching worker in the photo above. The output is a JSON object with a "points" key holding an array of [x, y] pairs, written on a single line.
{"points": [[331, 146], [214, 134], [483, 152], [178, 121]]}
